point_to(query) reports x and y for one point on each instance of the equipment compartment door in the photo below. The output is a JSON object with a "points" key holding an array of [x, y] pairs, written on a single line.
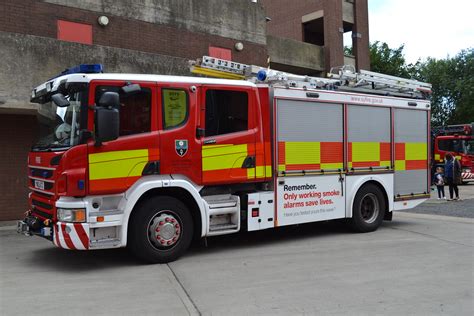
{"points": [[310, 158], [411, 153]]}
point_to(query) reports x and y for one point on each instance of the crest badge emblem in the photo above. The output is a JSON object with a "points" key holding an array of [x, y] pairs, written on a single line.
{"points": [[181, 147]]}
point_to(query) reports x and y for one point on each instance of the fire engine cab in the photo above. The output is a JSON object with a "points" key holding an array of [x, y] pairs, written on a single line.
{"points": [[457, 140], [151, 162]]}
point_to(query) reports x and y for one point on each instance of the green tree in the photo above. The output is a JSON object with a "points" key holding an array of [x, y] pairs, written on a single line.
{"points": [[453, 87], [452, 99], [386, 60]]}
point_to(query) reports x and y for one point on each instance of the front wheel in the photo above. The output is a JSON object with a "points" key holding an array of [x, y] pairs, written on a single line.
{"points": [[368, 210], [160, 230]]}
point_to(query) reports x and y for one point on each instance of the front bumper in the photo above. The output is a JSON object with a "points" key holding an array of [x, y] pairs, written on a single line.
{"points": [[32, 226], [63, 235], [102, 230], [74, 236], [467, 176]]}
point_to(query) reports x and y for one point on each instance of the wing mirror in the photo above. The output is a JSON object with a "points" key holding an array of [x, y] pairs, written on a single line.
{"points": [[60, 100], [109, 100], [131, 88], [107, 118]]}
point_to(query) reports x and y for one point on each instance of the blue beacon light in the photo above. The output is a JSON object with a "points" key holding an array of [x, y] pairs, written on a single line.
{"points": [[261, 75], [84, 68]]}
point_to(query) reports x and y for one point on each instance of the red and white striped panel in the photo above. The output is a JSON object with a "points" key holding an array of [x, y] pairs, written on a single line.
{"points": [[467, 175], [73, 236]]}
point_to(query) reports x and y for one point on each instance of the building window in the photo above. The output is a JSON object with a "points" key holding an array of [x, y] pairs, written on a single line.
{"points": [[218, 52], [226, 112], [135, 109], [175, 107], [74, 32]]}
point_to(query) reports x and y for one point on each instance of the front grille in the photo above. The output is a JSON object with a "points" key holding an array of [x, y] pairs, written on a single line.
{"points": [[41, 213], [41, 173], [47, 185], [43, 194], [42, 204]]}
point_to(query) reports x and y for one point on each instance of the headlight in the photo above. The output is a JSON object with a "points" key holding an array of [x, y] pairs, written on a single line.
{"points": [[467, 170], [72, 215]]}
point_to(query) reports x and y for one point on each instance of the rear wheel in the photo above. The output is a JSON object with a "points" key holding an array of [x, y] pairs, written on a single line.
{"points": [[161, 230], [368, 210]]}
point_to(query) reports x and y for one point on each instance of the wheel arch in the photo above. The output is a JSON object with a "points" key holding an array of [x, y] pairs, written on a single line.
{"points": [[180, 194], [181, 189], [381, 182]]}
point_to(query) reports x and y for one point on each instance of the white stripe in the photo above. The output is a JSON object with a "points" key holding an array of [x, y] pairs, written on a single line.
{"points": [[55, 231], [41, 167], [41, 179], [75, 237], [62, 243]]}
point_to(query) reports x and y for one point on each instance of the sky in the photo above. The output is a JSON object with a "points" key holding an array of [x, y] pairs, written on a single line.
{"points": [[428, 28]]}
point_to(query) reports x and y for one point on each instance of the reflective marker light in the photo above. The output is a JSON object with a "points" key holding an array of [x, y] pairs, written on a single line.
{"points": [[261, 75]]}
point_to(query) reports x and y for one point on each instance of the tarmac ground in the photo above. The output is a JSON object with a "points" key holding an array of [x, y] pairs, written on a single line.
{"points": [[421, 263]]}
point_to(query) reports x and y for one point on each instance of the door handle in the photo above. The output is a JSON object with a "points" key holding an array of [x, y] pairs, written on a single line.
{"points": [[249, 162], [210, 141]]}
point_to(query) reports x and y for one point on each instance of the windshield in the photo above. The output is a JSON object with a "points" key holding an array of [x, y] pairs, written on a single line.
{"points": [[469, 146], [59, 126]]}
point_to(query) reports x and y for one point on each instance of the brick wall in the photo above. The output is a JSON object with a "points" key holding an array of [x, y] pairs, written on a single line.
{"points": [[286, 16], [16, 138], [286, 21], [40, 19]]}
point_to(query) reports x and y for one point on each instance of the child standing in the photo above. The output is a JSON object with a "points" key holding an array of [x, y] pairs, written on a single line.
{"points": [[439, 182]]}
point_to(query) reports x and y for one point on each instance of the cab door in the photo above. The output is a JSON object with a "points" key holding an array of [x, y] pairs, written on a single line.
{"points": [[180, 146], [116, 165], [228, 146]]}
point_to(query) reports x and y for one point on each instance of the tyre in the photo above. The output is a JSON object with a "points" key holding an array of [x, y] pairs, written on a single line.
{"points": [[368, 210], [160, 230]]}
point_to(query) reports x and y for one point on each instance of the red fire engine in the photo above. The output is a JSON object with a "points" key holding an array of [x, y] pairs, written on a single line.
{"points": [[458, 140], [151, 162]]}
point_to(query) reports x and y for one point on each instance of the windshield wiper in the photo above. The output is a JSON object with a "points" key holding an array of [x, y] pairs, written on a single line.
{"points": [[49, 147]]}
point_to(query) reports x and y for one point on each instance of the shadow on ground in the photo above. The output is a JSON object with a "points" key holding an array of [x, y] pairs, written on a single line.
{"points": [[80, 261]]}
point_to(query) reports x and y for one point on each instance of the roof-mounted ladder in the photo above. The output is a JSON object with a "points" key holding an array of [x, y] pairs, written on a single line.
{"points": [[343, 78]]}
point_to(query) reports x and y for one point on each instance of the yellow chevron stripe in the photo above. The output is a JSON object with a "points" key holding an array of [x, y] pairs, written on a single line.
{"points": [[365, 151], [302, 153], [416, 151], [117, 164], [225, 149]]}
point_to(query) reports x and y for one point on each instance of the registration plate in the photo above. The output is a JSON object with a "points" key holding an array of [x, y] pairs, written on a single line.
{"points": [[39, 184]]}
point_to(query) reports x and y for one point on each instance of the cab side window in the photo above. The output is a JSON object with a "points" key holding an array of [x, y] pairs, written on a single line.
{"points": [[175, 107], [135, 109], [226, 112], [450, 145]]}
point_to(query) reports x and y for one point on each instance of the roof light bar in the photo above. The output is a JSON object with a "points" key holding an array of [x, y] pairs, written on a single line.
{"points": [[82, 69]]}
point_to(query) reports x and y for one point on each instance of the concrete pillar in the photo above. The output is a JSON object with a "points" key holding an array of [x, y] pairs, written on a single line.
{"points": [[333, 34], [360, 35]]}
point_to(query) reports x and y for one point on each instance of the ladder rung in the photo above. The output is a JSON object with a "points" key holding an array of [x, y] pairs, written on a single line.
{"points": [[344, 77]]}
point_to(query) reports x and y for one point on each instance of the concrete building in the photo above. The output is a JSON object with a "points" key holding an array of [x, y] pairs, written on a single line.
{"points": [[306, 36], [40, 38]]}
